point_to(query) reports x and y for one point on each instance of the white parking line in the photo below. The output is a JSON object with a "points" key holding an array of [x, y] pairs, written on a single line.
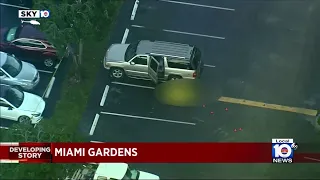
{"points": [[137, 26], [185, 33], [57, 66], [133, 85], [94, 124], [134, 10], [44, 71], [2, 127], [193, 34], [198, 5], [48, 91], [148, 118], [10, 5], [125, 35], [211, 66], [104, 95]]}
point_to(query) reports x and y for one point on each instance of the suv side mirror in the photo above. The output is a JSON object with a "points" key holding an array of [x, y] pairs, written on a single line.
{"points": [[132, 63], [10, 108]]}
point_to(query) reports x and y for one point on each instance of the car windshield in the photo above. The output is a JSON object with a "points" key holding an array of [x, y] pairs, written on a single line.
{"points": [[131, 51], [12, 66], [14, 96], [12, 34], [131, 175]]}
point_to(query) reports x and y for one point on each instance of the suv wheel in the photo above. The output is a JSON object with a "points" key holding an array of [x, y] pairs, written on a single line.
{"points": [[173, 77], [48, 62], [117, 73]]}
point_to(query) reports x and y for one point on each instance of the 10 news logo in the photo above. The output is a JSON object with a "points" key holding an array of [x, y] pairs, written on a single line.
{"points": [[26, 14], [282, 150]]}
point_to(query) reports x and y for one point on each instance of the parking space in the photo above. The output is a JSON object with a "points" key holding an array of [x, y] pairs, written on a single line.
{"points": [[181, 17], [141, 102], [9, 16], [128, 129], [212, 49]]}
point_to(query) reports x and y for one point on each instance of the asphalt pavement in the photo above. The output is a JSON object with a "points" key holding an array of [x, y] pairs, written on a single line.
{"points": [[264, 51]]}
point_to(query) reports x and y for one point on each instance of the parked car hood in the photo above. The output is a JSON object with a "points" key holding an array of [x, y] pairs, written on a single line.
{"points": [[28, 72], [116, 53], [149, 176], [32, 103]]}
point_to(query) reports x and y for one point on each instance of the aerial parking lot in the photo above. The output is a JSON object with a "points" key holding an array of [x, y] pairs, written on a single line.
{"points": [[260, 81], [259, 67]]}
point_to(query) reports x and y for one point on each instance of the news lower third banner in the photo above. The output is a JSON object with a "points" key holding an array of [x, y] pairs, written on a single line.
{"points": [[14, 152]]}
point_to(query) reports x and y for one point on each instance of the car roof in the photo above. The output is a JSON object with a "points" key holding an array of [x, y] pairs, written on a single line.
{"points": [[162, 48], [3, 58], [3, 90], [29, 31]]}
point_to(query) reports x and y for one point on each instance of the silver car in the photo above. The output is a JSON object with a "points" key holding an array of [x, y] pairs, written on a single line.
{"points": [[17, 73], [154, 60]]}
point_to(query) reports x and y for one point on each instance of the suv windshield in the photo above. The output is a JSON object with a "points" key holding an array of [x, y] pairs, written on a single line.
{"points": [[131, 175], [131, 51], [12, 34], [12, 66], [195, 58], [14, 96]]}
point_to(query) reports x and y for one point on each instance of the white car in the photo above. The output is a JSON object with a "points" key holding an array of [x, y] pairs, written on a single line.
{"points": [[21, 106], [121, 171]]}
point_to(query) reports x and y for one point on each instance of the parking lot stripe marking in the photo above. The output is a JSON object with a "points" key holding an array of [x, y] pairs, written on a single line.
{"points": [[57, 66], [199, 5], [193, 34], [94, 124], [48, 91], [148, 118], [125, 35], [96, 142], [309, 112], [44, 71], [10, 5], [137, 26], [181, 32], [133, 85], [211, 66], [1, 127], [104, 95], [134, 10]]}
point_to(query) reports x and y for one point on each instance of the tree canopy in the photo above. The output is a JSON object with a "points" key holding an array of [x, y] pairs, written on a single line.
{"points": [[73, 20]]}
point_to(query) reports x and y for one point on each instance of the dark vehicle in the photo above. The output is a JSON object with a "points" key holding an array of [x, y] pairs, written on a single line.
{"points": [[28, 44]]}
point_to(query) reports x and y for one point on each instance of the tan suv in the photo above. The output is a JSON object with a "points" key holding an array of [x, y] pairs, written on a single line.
{"points": [[153, 60]]}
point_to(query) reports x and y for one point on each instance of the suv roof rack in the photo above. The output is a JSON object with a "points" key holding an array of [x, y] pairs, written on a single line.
{"points": [[162, 48]]}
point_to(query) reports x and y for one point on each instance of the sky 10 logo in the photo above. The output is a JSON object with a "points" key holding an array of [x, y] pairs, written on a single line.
{"points": [[282, 150]]}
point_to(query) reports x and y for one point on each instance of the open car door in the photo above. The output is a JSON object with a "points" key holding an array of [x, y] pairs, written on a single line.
{"points": [[153, 68]]}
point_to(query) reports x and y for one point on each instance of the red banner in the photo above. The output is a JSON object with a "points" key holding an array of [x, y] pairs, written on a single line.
{"points": [[143, 153]]}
